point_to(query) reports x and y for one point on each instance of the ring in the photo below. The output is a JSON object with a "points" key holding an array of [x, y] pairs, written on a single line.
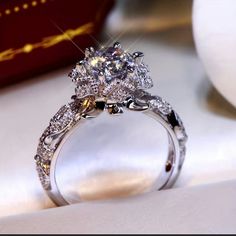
{"points": [[113, 80]]}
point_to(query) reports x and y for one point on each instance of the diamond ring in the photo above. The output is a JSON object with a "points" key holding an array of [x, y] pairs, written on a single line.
{"points": [[113, 80]]}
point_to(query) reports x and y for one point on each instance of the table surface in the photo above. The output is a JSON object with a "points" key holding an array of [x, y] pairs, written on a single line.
{"points": [[25, 110], [176, 211]]}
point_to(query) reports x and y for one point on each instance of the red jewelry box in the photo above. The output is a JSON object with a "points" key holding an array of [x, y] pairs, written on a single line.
{"points": [[35, 34]]}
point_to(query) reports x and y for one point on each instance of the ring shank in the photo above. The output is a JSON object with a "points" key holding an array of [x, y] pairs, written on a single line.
{"points": [[171, 169]]}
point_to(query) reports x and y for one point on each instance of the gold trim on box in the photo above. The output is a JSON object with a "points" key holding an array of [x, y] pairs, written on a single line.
{"points": [[47, 42], [22, 7]]}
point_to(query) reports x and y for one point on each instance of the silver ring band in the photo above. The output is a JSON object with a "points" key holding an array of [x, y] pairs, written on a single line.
{"points": [[70, 116]]}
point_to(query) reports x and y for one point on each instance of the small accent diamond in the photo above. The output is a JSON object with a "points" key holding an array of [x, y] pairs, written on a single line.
{"points": [[43, 177], [161, 105], [44, 151], [62, 119], [74, 74]]}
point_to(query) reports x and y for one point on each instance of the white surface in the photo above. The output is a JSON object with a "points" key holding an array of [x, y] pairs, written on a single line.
{"points": [[25, 111], [209, 209], [114, 159], [215, 37]]}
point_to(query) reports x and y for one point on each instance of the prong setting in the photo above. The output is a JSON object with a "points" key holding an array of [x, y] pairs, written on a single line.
{"points": [[137, 54], [114, 69], [117, 45], [89, 52], [138, 57]]}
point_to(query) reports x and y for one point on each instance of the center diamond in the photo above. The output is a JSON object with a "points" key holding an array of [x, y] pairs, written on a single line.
{"points": [[111, 62], [111, 73]]}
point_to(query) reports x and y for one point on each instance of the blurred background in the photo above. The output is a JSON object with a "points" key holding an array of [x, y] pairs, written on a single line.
{"points": [[41, 35], [42, 39]]}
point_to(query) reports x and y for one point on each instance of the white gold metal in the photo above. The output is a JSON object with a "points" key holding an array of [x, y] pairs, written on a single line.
{"points": [[116, 101]]}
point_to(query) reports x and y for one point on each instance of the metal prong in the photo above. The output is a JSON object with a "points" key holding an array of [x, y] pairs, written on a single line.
{"points": [[135, 105], [138, 56], [92, 49], [117, 45], [86, 52], [73, 97], [89, 51], [80, 63]]}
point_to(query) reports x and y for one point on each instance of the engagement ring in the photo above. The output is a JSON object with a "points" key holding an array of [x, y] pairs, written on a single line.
{"points": [[109, 80]]}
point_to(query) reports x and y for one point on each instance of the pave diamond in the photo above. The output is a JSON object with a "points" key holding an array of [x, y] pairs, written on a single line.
{"points": [[74, 74], [161, 105], [110, 73], [44, 151], [62, 119], [44, 178], [145, 80]]}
